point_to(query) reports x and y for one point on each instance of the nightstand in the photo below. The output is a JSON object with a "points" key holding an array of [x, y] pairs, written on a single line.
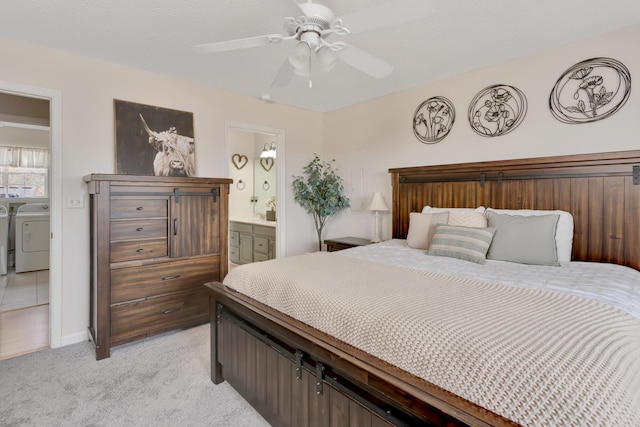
{"points": [[341, 243]]}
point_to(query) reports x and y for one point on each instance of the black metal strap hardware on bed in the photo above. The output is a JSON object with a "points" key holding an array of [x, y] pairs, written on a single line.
{"points": [[319, 377], [299, 357]]}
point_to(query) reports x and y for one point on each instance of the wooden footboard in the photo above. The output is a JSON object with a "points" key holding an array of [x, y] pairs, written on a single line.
{"points": [[295, 375]]}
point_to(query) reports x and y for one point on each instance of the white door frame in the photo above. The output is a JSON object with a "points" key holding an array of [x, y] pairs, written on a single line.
{"points": [[55, 201], [280, 177]]}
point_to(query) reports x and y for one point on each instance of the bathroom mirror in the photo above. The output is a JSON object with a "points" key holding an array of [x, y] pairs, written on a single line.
{"points": [[264, 183], [254, 177]]}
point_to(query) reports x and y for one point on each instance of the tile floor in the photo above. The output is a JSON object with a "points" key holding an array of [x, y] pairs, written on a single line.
{"points": [[23, 289]]}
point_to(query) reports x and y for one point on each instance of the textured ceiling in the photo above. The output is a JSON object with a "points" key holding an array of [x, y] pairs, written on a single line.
{"points": [[157, 35]]}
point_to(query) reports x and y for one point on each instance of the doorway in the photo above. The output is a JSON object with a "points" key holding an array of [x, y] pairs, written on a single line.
{"points": [[30, 147], [250, 141]]}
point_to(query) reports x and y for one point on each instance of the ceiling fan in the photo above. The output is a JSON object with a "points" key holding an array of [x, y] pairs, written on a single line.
{"points": [[316, 24]]}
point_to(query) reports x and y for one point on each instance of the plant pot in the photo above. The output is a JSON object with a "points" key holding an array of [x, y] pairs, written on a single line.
{"points": [[271, 215]]}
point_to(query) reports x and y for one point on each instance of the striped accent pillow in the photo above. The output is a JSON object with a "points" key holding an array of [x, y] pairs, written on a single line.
{"points": [[467, 243]]}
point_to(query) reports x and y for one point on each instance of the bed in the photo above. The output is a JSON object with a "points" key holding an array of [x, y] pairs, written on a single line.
{"points": [[493, 343]]}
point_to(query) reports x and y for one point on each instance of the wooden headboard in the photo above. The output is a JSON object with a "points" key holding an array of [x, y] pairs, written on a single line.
{"points": [[602, 192]]}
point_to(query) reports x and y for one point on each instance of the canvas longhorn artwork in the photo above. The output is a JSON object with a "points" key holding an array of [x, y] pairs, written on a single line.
{"points": [[175, 152], [153, 141]]}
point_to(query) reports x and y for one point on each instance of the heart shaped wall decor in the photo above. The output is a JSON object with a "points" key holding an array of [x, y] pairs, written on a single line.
{"points": [[267, 163], [239, 161]]}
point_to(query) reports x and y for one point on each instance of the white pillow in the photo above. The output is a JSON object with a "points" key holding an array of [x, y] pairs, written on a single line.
{"points": [[465, 217], [564, 229], [422, 226]]}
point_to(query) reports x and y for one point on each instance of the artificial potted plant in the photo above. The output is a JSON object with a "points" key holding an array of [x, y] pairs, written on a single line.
{"points": [[320, 193], [271, 204]]}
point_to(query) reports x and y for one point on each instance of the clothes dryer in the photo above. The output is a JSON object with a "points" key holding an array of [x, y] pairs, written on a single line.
{"points": [[32, 237]]}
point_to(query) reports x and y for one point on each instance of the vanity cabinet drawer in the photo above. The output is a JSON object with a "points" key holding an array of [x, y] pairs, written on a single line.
{"points": [[142, 282], [260, 245], [138, 229], [139, 208], [234, 238], [257, 257], [130, 251], [234, 254], [151, 316], [265, 231], [240, 227]]}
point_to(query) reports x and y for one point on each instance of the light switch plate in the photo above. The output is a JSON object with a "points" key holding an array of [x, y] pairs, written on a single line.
{"points": [[75, 202]]}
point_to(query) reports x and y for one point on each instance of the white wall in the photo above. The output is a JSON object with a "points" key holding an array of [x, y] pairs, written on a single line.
{"points": [[88, 89], [240, 192], [378, 135]]}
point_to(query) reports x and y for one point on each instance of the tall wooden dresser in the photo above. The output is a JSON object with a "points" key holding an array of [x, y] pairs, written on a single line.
{"points": [[154, 242]]}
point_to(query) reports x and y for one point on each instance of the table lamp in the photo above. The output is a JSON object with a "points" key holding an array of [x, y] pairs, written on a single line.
{"points": [[377, 205]]}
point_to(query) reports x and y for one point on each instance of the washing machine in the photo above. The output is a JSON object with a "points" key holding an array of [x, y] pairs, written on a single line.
{"points": [[4, 239], [32, 237]]}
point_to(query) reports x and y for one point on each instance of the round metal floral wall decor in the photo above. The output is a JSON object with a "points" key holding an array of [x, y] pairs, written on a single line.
{"points": [[497, 110], [591, 90], [433, 119]]}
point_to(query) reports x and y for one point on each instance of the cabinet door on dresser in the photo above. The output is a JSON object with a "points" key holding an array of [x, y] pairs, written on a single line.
{"points": [[154, 242], [195, 223]]}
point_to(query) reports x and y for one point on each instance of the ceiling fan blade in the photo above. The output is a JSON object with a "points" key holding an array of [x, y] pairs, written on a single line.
{"points": [[284, 76], [236, 44], [365, 62], [390, 13]]}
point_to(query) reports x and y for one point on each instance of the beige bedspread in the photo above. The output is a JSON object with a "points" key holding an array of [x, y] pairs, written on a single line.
{"points": [[536, 357]]}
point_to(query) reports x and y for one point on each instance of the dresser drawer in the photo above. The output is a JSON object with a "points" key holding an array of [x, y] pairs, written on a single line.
{"points": [[141, 282], [139, 208], [138, 229], [155, 315], [129, 251]]}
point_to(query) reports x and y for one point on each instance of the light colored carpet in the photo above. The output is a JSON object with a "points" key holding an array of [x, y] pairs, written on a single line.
{"points": [[161, 381]]}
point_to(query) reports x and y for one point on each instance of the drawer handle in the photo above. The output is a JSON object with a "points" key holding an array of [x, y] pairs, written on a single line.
{"points": [[140, 250], [176, 276], [139, 228], [139, 208], [175, 227], [170, 311]]}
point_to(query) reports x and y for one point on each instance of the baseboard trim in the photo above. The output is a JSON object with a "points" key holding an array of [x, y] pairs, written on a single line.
{"points": [[74, 338]]}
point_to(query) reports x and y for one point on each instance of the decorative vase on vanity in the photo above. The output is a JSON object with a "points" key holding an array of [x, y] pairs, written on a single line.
{"points": [[271, 215]]}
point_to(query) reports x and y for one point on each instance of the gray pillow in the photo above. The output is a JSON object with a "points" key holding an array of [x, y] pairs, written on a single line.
{"points": [[467, 243], [524, 239]]}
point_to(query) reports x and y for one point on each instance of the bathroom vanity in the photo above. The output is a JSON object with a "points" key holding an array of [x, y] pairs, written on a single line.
{"points": [[251, 240]]}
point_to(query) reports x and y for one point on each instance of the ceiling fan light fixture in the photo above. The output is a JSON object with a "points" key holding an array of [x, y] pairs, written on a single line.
{"points": [[327, 58], [304, 71], [299, 56]]}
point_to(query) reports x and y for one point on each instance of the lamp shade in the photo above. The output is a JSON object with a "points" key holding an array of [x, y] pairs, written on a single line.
{"points": [[327, 58], [299, 56], [378, 203]]}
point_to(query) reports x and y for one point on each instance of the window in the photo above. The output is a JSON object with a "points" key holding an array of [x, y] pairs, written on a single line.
{"points": [[24, 172]]}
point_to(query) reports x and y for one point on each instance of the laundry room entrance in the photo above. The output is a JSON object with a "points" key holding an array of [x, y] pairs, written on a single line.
{"points": [[25, 177]]}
